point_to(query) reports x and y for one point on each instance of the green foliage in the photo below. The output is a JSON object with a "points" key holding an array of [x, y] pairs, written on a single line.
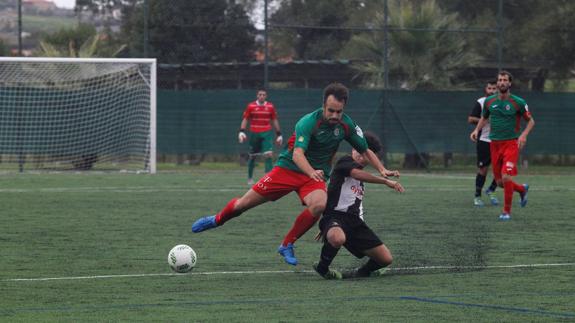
{"points": [[537, 33], [306, 43], [419, 58], [65, 225], [556, 41], [4, 49], [81, 41], [186, 31]]}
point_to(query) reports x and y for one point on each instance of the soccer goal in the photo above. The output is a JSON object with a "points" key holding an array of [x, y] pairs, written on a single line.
{"points": [[77, 114]]}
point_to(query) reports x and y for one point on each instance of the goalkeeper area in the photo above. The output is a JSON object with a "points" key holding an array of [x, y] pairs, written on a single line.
{"points": [[95, 247], [59, 114]]}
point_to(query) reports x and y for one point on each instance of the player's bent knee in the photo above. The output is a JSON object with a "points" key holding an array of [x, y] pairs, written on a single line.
{"points": [[336, 237], [388, 260], [317, 209]]}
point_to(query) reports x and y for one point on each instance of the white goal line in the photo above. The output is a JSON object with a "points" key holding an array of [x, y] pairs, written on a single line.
{"points": [[259, 272]]}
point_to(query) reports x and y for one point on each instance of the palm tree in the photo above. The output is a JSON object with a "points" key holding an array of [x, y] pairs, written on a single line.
{"points": [[81, 41], [90, 48], [425, 55]]}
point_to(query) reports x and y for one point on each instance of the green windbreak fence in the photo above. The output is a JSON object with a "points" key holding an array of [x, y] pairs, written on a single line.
{"points": [[206, 122]]}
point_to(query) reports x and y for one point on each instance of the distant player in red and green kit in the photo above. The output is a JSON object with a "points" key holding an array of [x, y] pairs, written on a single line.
{"points": [[303, 167], [504, 111], [261, 115]]}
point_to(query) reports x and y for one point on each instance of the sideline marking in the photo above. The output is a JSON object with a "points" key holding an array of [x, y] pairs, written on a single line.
{"points": [[149, 189], [259, 272]]}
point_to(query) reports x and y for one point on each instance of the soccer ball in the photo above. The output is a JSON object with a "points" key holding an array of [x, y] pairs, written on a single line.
{"points": [[182, 258]]}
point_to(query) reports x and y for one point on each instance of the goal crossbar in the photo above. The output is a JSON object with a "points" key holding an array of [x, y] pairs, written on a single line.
{"points": [[77, 114]]}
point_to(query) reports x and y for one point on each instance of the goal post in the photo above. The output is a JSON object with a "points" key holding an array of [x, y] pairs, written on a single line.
{"points": [[77, 114]]}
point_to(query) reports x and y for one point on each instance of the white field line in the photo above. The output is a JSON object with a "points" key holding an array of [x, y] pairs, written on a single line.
{"points": [[259, 272], [150, 189]]}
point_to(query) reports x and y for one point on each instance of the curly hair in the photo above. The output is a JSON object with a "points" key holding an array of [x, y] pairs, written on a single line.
{"points": [[373, 141], [338, 90]]}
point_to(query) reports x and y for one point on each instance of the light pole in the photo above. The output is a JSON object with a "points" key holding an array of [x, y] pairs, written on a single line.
{"points": [[19, 27]]}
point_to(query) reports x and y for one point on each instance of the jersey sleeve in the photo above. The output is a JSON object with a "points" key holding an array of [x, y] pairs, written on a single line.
{"points": [[525, 112], [486, 104], [476, 111], [345, 165], [274, 114], [355, 135], [303, 131], [485, 113], [247, 112]]}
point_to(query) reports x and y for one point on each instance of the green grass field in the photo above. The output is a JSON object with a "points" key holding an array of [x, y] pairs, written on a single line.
{"points": [[47, 24], [77, 247]]}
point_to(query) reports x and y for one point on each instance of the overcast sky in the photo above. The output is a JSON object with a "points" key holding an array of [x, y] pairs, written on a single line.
{"points": [[65, 3]]}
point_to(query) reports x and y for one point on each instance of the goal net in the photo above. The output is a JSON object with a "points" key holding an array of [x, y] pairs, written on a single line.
{"points": [[66, 114]]}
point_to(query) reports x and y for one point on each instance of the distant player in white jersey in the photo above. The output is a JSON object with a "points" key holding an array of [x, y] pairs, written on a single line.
{"points": [[342, 222], [483, 153]]}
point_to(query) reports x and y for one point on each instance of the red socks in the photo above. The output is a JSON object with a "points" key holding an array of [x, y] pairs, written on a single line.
{"points": [[509, 188], [227, 212], [302, 224]]}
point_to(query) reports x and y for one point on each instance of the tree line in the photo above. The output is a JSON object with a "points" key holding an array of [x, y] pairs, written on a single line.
{"points": [[429, 42]]}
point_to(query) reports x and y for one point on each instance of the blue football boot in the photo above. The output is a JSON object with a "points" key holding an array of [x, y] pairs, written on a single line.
{"points": [[205, 223]]}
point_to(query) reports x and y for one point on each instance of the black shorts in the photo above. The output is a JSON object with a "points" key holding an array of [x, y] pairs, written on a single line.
{"points": [[483, 154], [358, 236]]}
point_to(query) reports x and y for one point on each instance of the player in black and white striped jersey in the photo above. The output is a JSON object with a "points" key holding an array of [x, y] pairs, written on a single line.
{"points": [[483, 150], [342, 222]]}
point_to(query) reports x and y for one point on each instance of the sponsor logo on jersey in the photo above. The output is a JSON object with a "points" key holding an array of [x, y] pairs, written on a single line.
{"points": [[262, 183], [358, 131], [301, 139], [507, 107], [336, 132], [357, 190]]}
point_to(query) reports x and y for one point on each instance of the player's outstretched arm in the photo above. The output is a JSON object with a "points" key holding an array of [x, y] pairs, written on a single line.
{"points": [[364, 176], [376, 163]]}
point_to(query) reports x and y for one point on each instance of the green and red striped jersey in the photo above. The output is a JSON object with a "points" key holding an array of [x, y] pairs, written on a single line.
{"points": [[505, 116], [260, 116], [320, 141]]}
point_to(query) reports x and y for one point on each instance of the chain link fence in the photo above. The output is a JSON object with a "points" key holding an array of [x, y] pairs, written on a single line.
{"points": [[418, 50]]}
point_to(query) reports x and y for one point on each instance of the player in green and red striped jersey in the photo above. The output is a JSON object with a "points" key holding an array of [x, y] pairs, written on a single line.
{"points": [[504, 111], [261, 114], [303, 167]]}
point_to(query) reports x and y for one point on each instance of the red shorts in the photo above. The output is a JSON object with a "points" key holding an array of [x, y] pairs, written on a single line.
{"points": [[504, 156], [281, 181]]}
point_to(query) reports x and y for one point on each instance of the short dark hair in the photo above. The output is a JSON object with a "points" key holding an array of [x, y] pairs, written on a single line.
{"points": [[262, 89], [373, 141], [491, 82], [338, 90], [504, 72]]}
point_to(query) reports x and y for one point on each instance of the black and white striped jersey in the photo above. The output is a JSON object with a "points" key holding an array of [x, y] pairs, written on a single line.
{"points": [[345, 194]]}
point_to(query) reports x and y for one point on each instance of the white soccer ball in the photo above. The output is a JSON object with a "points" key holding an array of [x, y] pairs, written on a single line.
{"points": [[182, 258]]}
